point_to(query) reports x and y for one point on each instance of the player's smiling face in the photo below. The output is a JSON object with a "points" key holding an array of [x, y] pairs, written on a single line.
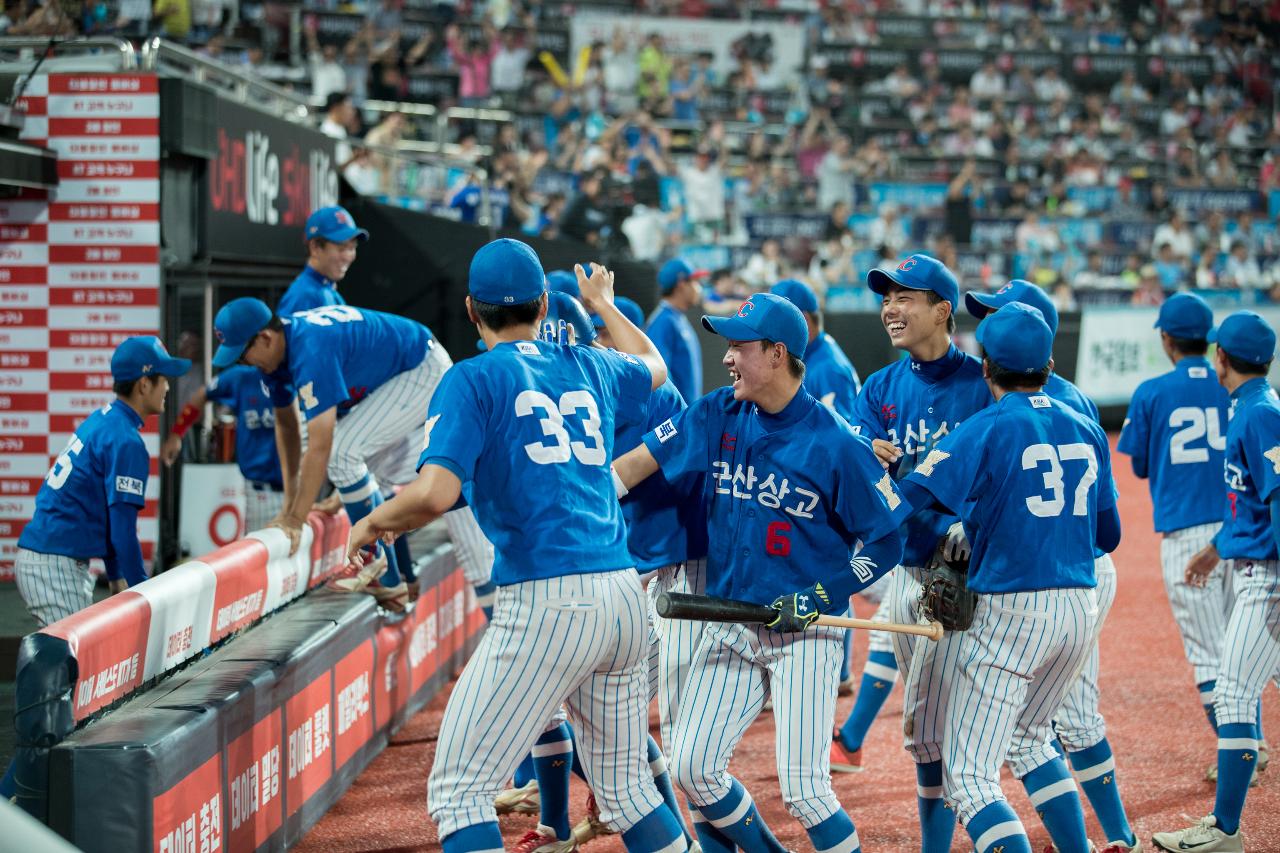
{"points": [[749, 368], [333, 259], [908, 317]]}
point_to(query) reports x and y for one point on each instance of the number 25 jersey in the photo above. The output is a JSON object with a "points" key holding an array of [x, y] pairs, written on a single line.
{"points": [[530, 427]]}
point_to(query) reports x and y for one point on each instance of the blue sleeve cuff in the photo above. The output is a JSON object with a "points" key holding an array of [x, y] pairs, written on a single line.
{"points": [[865, 568], [446, 463]]}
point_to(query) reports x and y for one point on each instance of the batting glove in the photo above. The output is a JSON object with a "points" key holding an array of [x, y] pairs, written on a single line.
{"points": [[798, 610]]}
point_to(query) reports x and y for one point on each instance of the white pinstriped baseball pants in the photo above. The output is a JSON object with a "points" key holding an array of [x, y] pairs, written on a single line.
{"points": [[734, 668], [577, 639], [1251, 647], [53, 586], [260, 506], [1079, 724], [880, 593], [1201, 613], [673, 642], [1016, 663]]}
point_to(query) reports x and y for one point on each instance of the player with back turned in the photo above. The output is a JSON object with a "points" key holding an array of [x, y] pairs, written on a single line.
{"points": [[1031, 478], [790, 489], [906, 409], [527, 431], [1249, 540]]}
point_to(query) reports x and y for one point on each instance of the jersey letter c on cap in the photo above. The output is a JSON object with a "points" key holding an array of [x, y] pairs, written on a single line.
{"points": [[925, 468], [1273, 455], [885, 487], [746, 308]]}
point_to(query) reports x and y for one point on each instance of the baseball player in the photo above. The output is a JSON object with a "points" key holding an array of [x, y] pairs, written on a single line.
{"points": [[1032, 480], [1079, 724], [831, 377], [332, 237], [670, 330], [363, 413], [906, 409], [790, 489], [88, 504], [1175, 434], [569, 621], [241, 389], [1248, 541]]}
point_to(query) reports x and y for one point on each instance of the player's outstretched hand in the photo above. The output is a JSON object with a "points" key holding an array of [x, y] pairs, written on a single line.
{"points": [[330, 505], [957, 547], [292, 528], [170, 449], [117, 585], [362, 535], [885, 452], [597, 289], [798, 610], [1201, 566]]}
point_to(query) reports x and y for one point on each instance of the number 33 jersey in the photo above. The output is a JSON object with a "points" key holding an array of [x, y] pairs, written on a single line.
{"points": [[788, 495], [528, 428], [104, 463], [1176, 432], [1029, 476]]}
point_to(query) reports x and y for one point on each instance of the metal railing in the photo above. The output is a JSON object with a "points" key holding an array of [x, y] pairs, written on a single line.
{"points": [[32, 47], [163, 56]]}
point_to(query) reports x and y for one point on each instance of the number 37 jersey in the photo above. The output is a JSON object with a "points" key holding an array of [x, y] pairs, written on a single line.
{"points": [[1176, 432], [528, 427]]}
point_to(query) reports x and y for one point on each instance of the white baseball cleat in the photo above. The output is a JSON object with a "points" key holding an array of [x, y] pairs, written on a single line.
{"points": [[1203, 837], [543, 840], [591, 826], [526, 800], [1121, 847]]}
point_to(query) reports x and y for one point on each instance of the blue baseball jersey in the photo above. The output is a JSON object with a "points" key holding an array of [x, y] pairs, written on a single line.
{"points": [[1175, 433], [1065, 391], [529, 428], [241, 388], [1252, 473], [829, 375], [104, 463], [788, 496], [1029, 475], [666, 523], [338, 355], [915, 405], [309, 290], [673, 336]]}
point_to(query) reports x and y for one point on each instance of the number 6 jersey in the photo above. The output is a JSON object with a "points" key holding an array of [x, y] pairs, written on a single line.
{"points": [[1175, 433], [528, 428]]}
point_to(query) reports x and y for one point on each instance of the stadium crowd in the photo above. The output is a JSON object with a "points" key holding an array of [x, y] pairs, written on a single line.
{"points": [[1108, 187]]}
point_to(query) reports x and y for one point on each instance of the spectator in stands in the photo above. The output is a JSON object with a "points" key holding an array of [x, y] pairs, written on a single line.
{"points": [[987, 83], [1128, 90], [1176, 235], [327, 73], [339, 121], [356, 67], [174, 18], [655, 71], [1148, 291], [388, 73], [515, 50], [900, 83], [386, 135], [886, 230], [766, 267], [1093, 276], [1050, 86], [1219, 91], [835, 173], [1241, 270], [1035, 237], [1171, 270], [1205, 276], [958, 213], [474, 61], [621, 73], [1158, 206], [1261, 240], [132, 21], [685, 91], [384, 18], [1185, 171], [587, 219], [704, 195], [10, 16], [1174, 118]]}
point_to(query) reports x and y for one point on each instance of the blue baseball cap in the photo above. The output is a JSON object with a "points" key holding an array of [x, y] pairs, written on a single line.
{"points": [[673, 270], [981, 304], [1246, 336], [506, 272], [1017, 338], [918, 272], [764, 317], [144, 355], [629, 308], [236, 325], [564, 313], [334, 223], [564, 281], [797, 293], [1185, 316]]}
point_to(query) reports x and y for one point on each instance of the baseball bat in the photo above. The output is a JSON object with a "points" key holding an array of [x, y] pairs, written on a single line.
{"points": [[707, 608]]}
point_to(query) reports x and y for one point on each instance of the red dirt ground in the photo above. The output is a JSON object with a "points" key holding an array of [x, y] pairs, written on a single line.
{"points": [[1157, 730]]}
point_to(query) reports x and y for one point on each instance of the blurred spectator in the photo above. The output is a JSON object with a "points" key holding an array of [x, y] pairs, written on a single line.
{"points": [[510, 61], [1050, 86], [835, 174], [1125, 206], [339, 120], [987, 83], [388, 73], [900, 83], [766, 267], [586, 218], [1206, 272], [1174, 118], [655, 71], [1128, 90], [384, 17], [134, 20], [207, 17], [1093, 277], [1148, 291], [1035, 237], [474, 61], [327, 73], [387, 134], [886, 229], [1222, 171], [959, 205], [1241, 269], [621, 73], [704, 195], [1176, 235], [1171, 270], [174, 18], [685, 91]]}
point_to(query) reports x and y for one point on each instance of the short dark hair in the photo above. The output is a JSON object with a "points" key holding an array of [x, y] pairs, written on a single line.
{"points": [[1188, 346], [335, 98], [934, 299], [794, 365], [124, 388], [1247, 368], [499, 317], [1015, 380]]}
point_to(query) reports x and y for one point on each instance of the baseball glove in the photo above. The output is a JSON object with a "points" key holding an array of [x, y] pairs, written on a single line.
{"points": [[944, 594]]}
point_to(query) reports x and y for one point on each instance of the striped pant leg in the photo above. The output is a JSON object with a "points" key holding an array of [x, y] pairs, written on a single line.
{"points": [[475, 551], [538, 649], [926, 685], [723, 694], [1200, 613], [1251, 648], [903, 597], [678, 639], [53, 586], [609, 710], [880, 641], [260, 506], [1079, 723], [1021, 647], [804, 674], [383, 431]]}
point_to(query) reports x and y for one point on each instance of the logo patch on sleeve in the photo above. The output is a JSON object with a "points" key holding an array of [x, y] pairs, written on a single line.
{"points": [[885, 487], [1040, 401], [935, 457], [129, 485], [665, 431], [307, 393], [1273, 455], [426, 431]]}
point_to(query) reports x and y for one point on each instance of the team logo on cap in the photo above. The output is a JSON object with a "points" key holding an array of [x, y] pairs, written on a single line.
{"points": [[146, 368], [1005, 289], [907, 265], [217, 333], [342, 217], [746, 308]]}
